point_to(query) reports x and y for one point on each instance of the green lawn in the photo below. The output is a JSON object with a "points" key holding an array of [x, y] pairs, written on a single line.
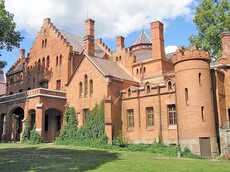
{"points": [[48, 157]]}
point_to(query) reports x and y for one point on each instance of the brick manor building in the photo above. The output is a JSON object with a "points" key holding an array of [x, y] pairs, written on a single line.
{"points": [[179, 97]]}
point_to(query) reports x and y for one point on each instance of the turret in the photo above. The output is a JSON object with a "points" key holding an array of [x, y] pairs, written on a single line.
{"points": [[194, 102]]}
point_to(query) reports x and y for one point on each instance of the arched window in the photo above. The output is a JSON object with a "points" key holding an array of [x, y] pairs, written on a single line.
{"points": [[56, 60], [48, 62], [116, 59], [45, 42], [42, 43], [86, 85], [91, 87], [140, 70], [80, 89], [39, 64], [129, 92], [119, 58], [148, 89], [169, 85], [137, 71], [60, 60], [43, 62], [144, 70]]}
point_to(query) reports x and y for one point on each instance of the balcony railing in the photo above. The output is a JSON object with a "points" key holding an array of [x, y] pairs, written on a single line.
{"points": [[226, 125], [33, 93]]}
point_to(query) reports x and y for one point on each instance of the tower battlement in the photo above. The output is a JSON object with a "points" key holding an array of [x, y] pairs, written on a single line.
{"points": [[192, 54]]}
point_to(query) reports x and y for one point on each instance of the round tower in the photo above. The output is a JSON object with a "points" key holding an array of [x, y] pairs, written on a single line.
{"points": [[194, 102]]}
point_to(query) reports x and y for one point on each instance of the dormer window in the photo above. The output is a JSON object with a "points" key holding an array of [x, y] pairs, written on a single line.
{"points": [[129, 92]]}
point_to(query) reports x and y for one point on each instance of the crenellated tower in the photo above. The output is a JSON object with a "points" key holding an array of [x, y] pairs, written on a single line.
{"points": [[194, 101]]}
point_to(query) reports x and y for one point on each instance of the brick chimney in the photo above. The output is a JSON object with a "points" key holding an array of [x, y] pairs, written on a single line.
{"points": [[22, 53], [158, 50], [89, 37], [225, 39], [120, 42]]}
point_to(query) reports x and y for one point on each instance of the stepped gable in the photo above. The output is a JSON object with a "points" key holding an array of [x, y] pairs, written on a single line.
{"points": [[110, 68], [143, 38]]}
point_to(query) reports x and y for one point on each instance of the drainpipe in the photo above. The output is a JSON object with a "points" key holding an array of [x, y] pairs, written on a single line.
{"points": [[139, 109], [159, 101], [178, 138]]}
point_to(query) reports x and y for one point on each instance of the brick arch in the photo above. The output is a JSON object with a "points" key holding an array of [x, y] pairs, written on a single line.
{"points": [[2, 126]]}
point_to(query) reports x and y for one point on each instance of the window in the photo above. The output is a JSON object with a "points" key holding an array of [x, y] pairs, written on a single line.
{"points": [[91, 87], [48, 62], [148, 89], [202, 113], [140, 70], [20, 91], [86, 85], [11, 93], [60, 62], [32, 114], [80, 89], [144, 70], [129, 92], [58, 85], [186, 95], [130, 118], [85, 115], [58, 122], [199, 76], [43, 62], [39, 64], [149, 117], [45, 42], [116, 59], [169, 86], [137, 71], [56, 60], [172, 114], [119, 58], [29, 88], [46, 122], [42, 43]]}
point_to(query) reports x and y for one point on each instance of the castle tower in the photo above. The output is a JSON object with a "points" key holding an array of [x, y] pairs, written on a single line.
{"points": [[194, 102]]}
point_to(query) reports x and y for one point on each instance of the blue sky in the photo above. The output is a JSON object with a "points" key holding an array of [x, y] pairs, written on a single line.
{"points": [[127, 19]]}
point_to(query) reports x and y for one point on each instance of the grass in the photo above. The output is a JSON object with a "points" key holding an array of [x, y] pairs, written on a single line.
{"points": [[49, 157]]}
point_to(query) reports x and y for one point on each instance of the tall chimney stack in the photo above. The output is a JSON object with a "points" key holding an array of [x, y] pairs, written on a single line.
{"points": [[22, 53], [120, 42], [225, 39], [89, 37], [158, 50]]}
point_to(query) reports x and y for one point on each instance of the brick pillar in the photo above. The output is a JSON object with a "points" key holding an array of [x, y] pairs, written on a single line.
{"points": [[108, 118], [40, 120]]}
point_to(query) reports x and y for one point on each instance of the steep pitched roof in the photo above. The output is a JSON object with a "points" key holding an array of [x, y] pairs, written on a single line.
{"points": [[76, 41], [17, 68], [142, 55], [110, 68], [143, 38]]}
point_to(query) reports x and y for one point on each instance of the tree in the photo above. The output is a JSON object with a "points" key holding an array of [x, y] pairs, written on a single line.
{"points": [[9, 38], [211, 18]]}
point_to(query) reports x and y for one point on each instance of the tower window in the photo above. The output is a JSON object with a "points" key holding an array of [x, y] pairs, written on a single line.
{"points": [[202, 113], [199, 76], [56, 60], [80, 89], [148, 89], [129, 92], [86, 85], [137, 71], [144, 70], [60, 62], [91, 87], [48, 61], [169, 86], [186, 95]]}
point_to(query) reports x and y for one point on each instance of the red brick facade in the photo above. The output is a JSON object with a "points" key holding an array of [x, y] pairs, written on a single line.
{"points": [[149, 95]]}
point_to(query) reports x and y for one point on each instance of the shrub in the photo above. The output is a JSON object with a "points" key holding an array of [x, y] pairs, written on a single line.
{"points": [[26, 133], [188, 154], [68, 133], [35, 137], [119, 142]]}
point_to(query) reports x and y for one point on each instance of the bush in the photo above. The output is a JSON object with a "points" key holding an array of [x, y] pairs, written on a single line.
{"points": [[119, 142], [188, 154], [68, 133], [35, 137], [26, 133]]}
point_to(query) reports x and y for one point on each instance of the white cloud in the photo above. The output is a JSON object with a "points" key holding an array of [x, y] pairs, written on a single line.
{"points": [[113, 17], [170, 49]]}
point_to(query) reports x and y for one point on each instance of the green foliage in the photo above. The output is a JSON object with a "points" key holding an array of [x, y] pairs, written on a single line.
{"points": [[35, 137], [188, 154], [211, 18], [3, 64], [93, 130], [9, 38], [119, 141], [26, 133], [68, 133]]}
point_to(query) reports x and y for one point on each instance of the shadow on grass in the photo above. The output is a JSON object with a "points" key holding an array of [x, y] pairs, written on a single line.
{"points": [[51, 159]]}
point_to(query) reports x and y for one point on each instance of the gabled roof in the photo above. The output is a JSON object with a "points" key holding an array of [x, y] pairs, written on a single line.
{"points": [[143, 38], [75, 41], [110, 68]]}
